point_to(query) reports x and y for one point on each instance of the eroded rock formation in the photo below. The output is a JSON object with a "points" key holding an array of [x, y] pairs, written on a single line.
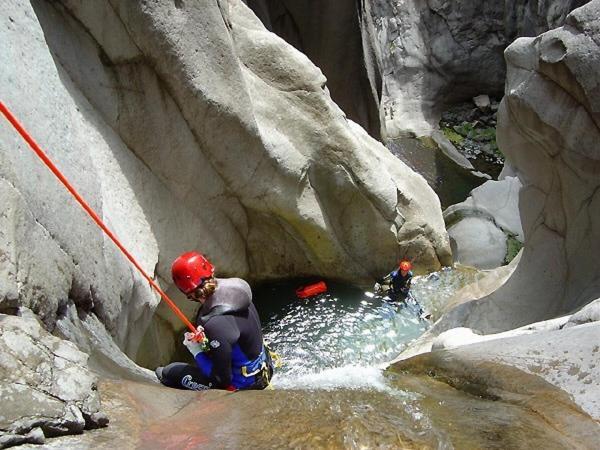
{"points": [[185, 125], [417, 57], [485, 230], [45, 385], [329, 34], [548, 128], [435, 53], [395, 66]]}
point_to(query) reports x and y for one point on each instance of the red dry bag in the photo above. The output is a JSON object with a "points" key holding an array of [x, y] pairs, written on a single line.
{"points": [[311, 290]]}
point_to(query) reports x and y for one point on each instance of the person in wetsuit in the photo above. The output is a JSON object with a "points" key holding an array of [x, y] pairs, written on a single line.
{"points": [[233, 356], [398, 281], [399, 287]]}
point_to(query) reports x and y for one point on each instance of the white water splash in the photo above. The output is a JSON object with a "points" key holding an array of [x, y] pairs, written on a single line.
{"points": [[346, 377]]}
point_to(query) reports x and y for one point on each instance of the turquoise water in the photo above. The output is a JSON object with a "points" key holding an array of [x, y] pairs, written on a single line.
{"points": [[329, 340], [342, 339]]}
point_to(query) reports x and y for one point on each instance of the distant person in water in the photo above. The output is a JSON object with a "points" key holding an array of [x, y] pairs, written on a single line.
{"points": [[396, 285], [398, 282], [233, 355]]}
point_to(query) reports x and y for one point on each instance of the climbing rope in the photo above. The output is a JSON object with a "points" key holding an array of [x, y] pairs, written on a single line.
{"points": [[44, 157]]}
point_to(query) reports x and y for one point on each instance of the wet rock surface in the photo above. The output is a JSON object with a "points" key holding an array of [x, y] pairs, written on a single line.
{"points": [[471, 128], [451, 181], [496, 377], [408, 411], [564, 357]]}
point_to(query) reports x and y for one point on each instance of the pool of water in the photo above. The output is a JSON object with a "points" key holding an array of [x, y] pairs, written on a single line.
{"points": [[344, 337], [333, 392]]}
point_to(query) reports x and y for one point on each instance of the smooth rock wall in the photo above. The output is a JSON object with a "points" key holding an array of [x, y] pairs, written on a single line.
{"points": [[328, 32], [435, 53], [53, 253], [481, 227]]}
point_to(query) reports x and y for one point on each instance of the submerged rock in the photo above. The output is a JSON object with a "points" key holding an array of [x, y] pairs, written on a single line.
{"points": [[510, 409]]}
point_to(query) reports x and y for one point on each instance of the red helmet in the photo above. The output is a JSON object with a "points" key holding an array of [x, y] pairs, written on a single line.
{"points": [[405, 265], [189, 270]]}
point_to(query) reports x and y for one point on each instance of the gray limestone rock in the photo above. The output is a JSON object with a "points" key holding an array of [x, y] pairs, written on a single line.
{"points": [[329, 34], [567, 358], [408, 58], [589, 313], [412, 60], [548, 129], [46, 388], [184, 125], [482, 102], [481, 226], [478, 242], [432, 54]]}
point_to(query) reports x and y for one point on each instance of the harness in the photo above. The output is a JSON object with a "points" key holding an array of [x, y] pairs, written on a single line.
{"points": [[260, 368]]}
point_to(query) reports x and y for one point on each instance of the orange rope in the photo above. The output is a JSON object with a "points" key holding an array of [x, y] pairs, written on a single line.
{"points": [[44, 157]]}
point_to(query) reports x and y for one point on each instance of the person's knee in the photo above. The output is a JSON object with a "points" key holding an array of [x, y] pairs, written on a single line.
{"points": [[184, 376]]}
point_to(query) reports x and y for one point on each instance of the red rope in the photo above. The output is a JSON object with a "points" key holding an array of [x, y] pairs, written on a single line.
{"points": [[44, 157]]}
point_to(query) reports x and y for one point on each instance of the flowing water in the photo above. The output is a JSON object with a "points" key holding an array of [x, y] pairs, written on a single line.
{"points": [[332, 391], [344, 337]]}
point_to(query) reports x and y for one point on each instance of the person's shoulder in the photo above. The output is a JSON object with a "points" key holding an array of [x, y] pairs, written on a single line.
{"points": [[236, 284], [233, 282]]}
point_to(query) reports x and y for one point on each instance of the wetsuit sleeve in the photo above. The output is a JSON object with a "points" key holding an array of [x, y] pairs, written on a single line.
{"points": [[386, 279], [222, 334]]}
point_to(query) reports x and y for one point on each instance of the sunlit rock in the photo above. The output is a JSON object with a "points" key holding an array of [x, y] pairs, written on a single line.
{"points": [[589, 313], [184, 126], [564, 357], [483, 228], [548, 129], [46, 388]]}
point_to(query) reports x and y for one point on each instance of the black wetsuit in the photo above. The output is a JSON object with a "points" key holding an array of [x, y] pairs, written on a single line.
{"points": [[237, 358], [400, 285]]}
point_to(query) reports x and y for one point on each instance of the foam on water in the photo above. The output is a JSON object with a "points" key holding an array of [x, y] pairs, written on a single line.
{"points": [[348, 377]]}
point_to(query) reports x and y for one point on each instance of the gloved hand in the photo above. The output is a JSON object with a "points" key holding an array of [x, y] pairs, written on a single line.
{"points": [[377, 287], [194, 347]]}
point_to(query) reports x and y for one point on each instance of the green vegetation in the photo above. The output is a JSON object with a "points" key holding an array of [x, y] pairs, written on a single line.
{"points": [[453, 136], [427, 142], [513, 246], [458, 134]]}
